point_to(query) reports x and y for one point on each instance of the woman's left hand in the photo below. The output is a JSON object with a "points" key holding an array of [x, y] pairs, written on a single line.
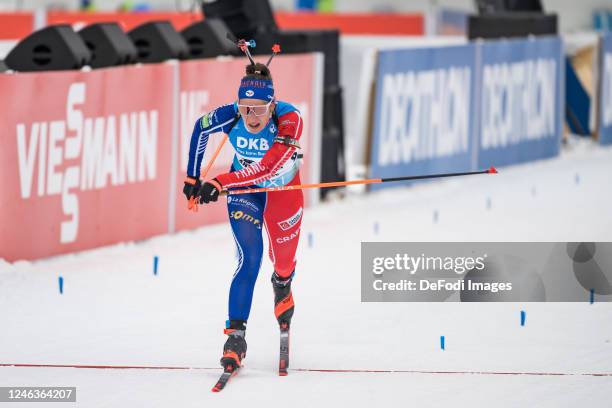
{"points": [[210, 191]]}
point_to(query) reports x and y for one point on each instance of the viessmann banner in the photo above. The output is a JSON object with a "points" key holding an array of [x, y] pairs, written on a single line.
{"points": [[83, 154], [466, 107]]}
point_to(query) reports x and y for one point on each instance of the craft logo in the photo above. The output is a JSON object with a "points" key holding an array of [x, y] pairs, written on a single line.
{"points": [[81, 153], [291, 221], [249, 93], [282, 240]]}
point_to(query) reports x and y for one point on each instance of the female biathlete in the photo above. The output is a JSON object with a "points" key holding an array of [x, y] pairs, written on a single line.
{"points": [[265, 135]]}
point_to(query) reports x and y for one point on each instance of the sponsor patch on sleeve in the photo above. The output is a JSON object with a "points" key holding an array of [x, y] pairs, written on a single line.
{"points": [[205, 121]]}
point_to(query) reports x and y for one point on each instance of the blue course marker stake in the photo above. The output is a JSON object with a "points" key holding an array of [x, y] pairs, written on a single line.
{"points": [[442, 342], [577, 179], [435, 216], [155, 263], [523, 316], [310, 240], [592, 296], [61, 285], [376, 228]]}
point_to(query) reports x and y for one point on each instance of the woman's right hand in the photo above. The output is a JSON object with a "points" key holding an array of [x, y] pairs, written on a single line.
{"points": [[191, 188]]}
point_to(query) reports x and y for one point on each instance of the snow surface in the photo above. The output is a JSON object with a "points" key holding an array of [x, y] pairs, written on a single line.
{"points": [[114, 311]]}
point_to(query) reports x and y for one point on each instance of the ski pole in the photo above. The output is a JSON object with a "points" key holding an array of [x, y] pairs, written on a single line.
{"points": [[213, 158], [192, 204], [491, 170]]}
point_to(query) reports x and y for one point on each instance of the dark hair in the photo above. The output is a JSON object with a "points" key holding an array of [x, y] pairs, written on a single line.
{"points": [[258, 71]]}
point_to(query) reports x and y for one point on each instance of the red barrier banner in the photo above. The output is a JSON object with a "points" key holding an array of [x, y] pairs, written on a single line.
{"points": [[354, 23], [127, 20], [85, 158], [18, 25], [347, 23], [15, 26], [206, 84]]}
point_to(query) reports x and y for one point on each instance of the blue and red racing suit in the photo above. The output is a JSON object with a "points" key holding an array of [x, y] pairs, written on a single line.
{"points": [[267, 158]]}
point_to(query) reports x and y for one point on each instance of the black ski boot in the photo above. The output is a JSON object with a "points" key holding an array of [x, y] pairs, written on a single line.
{"points": [[235, 347], [283, 300]]}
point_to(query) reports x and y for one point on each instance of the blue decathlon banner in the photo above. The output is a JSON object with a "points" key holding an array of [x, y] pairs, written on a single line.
{"points": [[423, 117], [521, 94], [605, 101]]}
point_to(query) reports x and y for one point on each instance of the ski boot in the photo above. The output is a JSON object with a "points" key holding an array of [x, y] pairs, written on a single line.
{"points": [[234, 351], [283, 300], [235, 347], [283, 309]]}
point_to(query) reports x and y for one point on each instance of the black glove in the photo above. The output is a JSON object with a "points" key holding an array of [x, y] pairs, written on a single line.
{"points": [[210, 191], [192, 187]]}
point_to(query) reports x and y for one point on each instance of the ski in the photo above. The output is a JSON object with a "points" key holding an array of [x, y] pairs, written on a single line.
{"points": [[283, 363], [228, 372]]}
